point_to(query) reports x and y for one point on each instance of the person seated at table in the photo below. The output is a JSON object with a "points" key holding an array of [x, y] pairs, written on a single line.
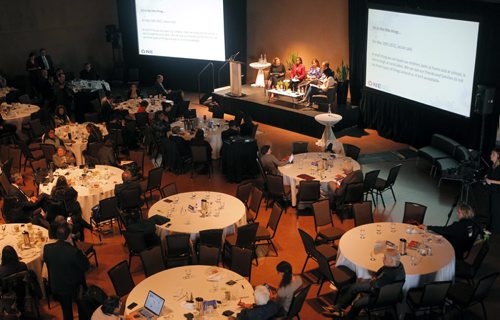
{"points": [[95, 134], [88, 73], [246, 128], [168, 108], [199, 140], [10, 262], [230, 132], [61, 117], [110, 310], [276, 72], [298, 74], [336, 147], [326, 84], [129, 184], [106, 154], [263, 309], [182, 144], [161, 125], [107, 110], [143, 105], [289, 283], [175, 95], [364, 291], [63, 158], [51, 138], [27, 209], [133, 92], [269, 162], [337, 189], [462, 233]]}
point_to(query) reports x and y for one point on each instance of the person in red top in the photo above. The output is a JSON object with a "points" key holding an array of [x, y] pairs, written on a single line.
{"points": [[298, 73]]}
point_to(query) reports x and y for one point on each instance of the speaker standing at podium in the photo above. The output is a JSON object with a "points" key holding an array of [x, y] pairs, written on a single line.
{"points": [[493, 180]]}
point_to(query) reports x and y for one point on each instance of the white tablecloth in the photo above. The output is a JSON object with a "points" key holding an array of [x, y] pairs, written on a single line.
{"points": [[92, 85], [98, 184], [173, 286], [32, 255], [354, 253], [308, 163], [79, 137], [132, 105], [212, 135], [260, 66], [17, 114]]}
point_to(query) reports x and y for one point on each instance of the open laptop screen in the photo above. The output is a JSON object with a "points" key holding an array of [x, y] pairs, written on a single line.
{"points": [[154, 303]]}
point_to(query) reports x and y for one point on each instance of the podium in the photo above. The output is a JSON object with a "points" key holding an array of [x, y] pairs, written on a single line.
{"points": [[235, 79]]}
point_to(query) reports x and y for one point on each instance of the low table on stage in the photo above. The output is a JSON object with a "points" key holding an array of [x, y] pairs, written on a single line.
{"points": [[259, 81], [328, 120], [296, 96]]}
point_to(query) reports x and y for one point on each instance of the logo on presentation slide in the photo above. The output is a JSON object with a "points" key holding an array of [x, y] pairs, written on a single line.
{"points": [[146, 51], [374, 84]]}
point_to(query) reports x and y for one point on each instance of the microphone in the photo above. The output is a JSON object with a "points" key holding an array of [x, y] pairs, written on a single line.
{"points": [[235, 55]]}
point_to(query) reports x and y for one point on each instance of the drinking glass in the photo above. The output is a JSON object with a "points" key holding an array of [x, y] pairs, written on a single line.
{"points": [[362, 233], [379, 229], [393, 227], [372, 256]]}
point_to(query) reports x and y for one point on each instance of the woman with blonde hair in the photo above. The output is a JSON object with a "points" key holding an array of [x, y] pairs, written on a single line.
{"points": [[492, 179], [276, 72]]}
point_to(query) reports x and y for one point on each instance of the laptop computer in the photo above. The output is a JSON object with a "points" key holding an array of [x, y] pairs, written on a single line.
{"points": [[152, 307]]}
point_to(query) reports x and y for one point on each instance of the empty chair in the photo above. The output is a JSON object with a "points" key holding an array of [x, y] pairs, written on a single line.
{"points": [[135, 243], [211, 237], [277, 191], [153, 183], [309, 193], [254, 207], [429, 297], [298, 300], [324, 224], [121, 278], [383, 185], [351, 151], [244, 238], [387, 297], [87, 248], [243, 192], [93, 149], [468, 267], [414, 213], [208, 255], [152, 261], [353, 194], [201, 158], [267, 233], [178, 249], [142, 119], [340, 276], [369, 183], [362, 213], [29, 155], [241, 261], [300, 147], [464, 295], [108, 211], [329, 252], [138, 157], [169, 190]]}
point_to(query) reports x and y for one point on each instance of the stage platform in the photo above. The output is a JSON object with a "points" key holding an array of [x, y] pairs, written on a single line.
{"points": [[282, 113]]}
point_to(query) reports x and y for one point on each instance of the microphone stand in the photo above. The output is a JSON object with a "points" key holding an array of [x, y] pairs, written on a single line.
{"points": [[451, 210]]}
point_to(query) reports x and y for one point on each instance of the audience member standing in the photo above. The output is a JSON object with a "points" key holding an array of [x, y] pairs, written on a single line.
{"points": [[44, 61], [88, 73]]}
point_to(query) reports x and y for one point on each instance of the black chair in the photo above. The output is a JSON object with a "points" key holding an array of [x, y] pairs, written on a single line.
{"points": [[243, 192], [266, 234], [277, 191], [244, 238], [241, 261], [383, 185], [169, 190], [429, 297], [299, 297], [414, 213], [121, 278], [130, 204], [142, 120], [468, 267], [341, 276], [300, 147], [351, 151], [25, 292], [208, 255], [387, 297], [138, 157], [178, 249], [464, 295], [153, 183], [93, 149], [25, 99], [135, 243], [323, 223], [87, 248], [325, 100], [362, 213], [255, 202], [369, 184], [211, 237], [15, 155], [36, 129], [309, 193], [152, 261], [353, 194], [329, 252], [201, 159], [29, 155], [108, 211]]}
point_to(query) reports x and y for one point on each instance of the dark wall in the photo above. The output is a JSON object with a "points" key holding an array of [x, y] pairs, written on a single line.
{"points": [[181, 73], [71, 31], [406, 121]]}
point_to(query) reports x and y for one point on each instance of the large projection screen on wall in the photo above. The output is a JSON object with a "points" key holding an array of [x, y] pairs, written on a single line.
{"points": [[427, 59]]}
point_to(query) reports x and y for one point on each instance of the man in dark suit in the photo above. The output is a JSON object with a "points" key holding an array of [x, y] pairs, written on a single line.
{"points": [[88, 73], [129, 187], [158, 89], [45, 61], [232, 131], [66, 266], [27, 209], [182, 144], [337, 189]]}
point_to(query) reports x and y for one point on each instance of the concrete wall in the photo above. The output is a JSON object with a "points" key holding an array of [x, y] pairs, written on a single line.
{"points": [[311, 28], [71, 31]]}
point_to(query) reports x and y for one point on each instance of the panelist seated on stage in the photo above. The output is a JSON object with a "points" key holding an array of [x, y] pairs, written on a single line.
{"points": [[276, 72], [269, 162], [298, 73], [326, 84], [313, 74]]}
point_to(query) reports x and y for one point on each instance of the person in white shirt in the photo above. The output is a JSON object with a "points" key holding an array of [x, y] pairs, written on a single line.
{"points": [[327, 83]]}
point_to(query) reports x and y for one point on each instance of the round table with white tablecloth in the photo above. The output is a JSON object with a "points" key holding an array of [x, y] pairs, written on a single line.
{"points": [[131, 105], [186, 216], [308, 164], [260, 66], [17, 114], [213, 128], [12, 234], [176, 286], [357, 252], [92, 185], [79, 135]]}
